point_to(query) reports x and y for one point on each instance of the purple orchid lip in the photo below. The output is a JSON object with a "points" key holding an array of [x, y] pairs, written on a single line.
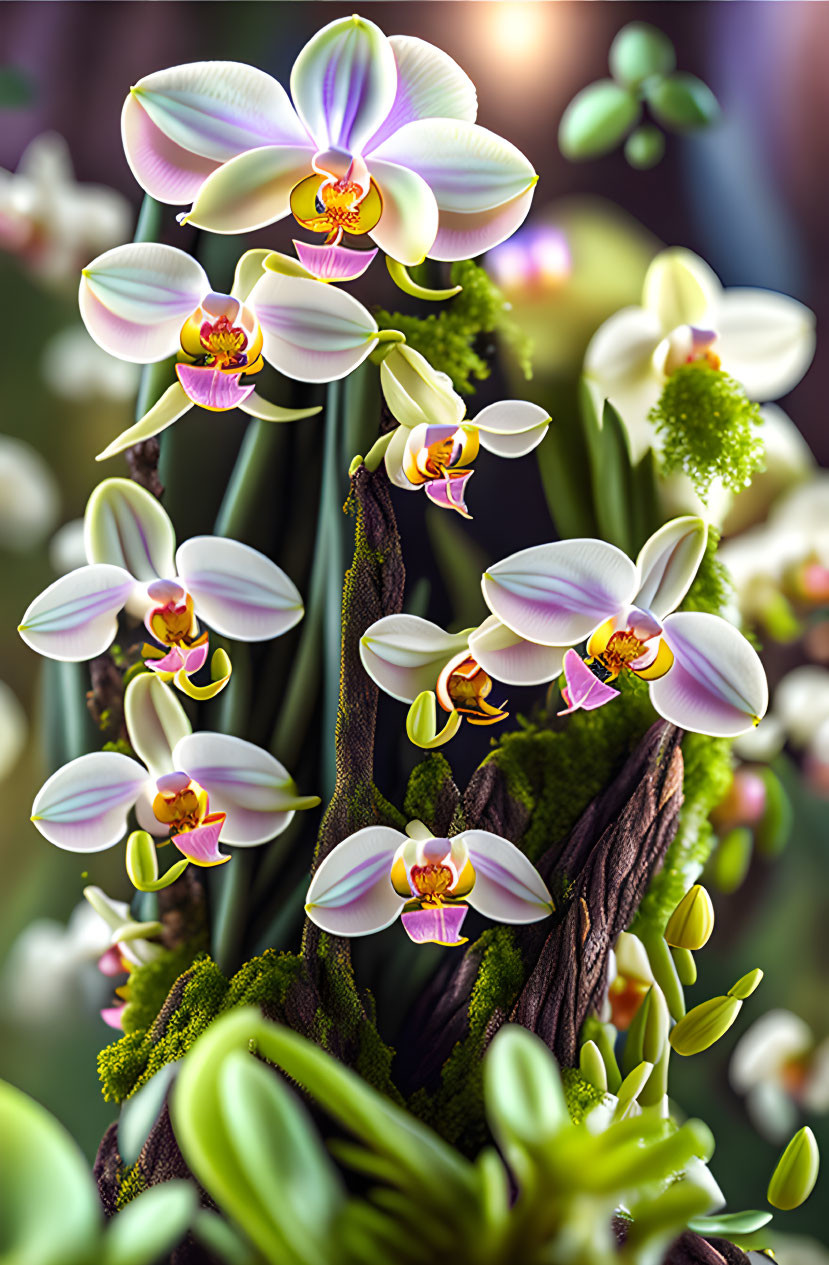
{"points": [[436, 924], [333, 263], [201, 846], [584, 690], [211, 388]]}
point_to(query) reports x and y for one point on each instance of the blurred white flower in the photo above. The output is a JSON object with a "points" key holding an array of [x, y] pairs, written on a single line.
{"points": [[762, 743], [788, 462], [50, 220], [74, 367], [801, 703], [67, 550], [14, 728], [43, 977], [28, 495], [781, 1071], [794, 1249]]}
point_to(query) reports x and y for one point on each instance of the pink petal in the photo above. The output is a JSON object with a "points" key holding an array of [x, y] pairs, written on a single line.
{"points": [[110, 963], [212, 389], [173, 661], [113, 1016], [448, 493], [333, 263], [166, 170], [201, 845], [463, 235], [584, 690], [436, 924]]}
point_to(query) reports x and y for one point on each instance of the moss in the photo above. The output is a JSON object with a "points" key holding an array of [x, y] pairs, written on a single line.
{"points": [[427, 781], [708, 428], [448, 338], [456, 1109], [131, 1182], [150, 984], [713, 588], [205, 993], [579, 1094]]}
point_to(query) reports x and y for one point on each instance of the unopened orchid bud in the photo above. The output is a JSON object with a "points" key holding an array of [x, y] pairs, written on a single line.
{"points": [[591, 1066], [421, 723], [415, 392], [746, 984], [793, 1180], [691, 923], [705, 1024], [649, 1031]]}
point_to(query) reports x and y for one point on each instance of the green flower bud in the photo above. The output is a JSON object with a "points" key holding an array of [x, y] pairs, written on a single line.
{"points": [[597, 119], [691, 923], [682, 101], [639, 51], [704, 1025], [416, 392], [421, 723], [793, 1180], [746, 984], [591, 1066], [644, 147], [633, 1084]]}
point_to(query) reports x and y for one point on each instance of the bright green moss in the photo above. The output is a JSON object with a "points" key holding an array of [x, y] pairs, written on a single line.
{"points": [[708, 428], [713, 588], [150, 984], [448, 338], [131, 1182], [579, 1094], [427, 781]]}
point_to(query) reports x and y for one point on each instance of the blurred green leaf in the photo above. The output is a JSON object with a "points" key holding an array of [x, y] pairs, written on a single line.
{"points": [[220, 1239], [682, 101], [151, 1225], [644, 147], [730, 862], [140, 1112], [727, 1224], [597, 119], [522, 1087], [775, 826], [639, 51]]}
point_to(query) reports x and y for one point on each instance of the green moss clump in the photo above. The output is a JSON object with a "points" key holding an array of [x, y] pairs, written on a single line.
{"points": [[150, 984], [708, 428], [427, 781], [713, 588], [456, 1109], [579, 1094], [447, 338]]}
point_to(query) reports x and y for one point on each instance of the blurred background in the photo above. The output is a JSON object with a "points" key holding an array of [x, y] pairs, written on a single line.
{"points": [[748, 195]]}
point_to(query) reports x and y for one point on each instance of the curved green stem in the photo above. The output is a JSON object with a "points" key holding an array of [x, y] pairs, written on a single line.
{"points": [[399, 274]]}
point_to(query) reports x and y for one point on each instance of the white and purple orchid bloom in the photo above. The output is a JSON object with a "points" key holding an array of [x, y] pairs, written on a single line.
{"points": [[379, 874], [434, 442], [704, 675], [144, 302], [380, 140], [417, 662], [188, 787], [133, 564], [763, 339], [131, 944]]}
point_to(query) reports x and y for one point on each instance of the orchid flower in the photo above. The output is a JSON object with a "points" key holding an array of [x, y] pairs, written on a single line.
{"points": [[29, 495], [131, 944], [763, 339], [133, 563], [380, 140], [143, 302], [433, 443], [50, 220], [189, 787], [782, 1071], [378, 874], [629, 976], [704, 676], [413, 659]]}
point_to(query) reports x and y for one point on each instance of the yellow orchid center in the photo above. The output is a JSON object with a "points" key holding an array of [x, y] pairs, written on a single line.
{"points": [[222, 334], [332, 206], [173, 622], [642, 650], [223, 343], [463, 686], [180, 802]]}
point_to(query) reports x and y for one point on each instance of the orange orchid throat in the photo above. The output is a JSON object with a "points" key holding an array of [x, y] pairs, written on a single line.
{"points": [[325, 204], [464, 687], [224, 344]]}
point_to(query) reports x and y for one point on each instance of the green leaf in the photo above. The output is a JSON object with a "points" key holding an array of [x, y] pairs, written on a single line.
{"points": [[611, 477], [140, 1112], [597, 119], [221, 1240], [525, 1102], [49, 1208], [772, 831], [564, 466], [644, 147], [727, 1224], [682, 102], [151, 1225], [639, 51]]}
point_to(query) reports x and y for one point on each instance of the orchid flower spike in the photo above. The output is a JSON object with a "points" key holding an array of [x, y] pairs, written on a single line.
{"points": [[379, 874], [380, 140], [189, 787], [764, 340], [416, 662], [144, 302], [133, 563], [434, 442], [704, 676]]}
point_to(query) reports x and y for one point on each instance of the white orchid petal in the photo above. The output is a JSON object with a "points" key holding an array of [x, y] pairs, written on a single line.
{"points": [[416, 392], [218, 108], [134, 299], [668, 562], [408, 224], [468, 168], [255, 790], [251, 190], [394, 457], [155, 721], [766, 341], [167, 171], [508, 887], [558, 594], [172, 405], [512, 428], [622, 348], [351, 892], [766, 1047], [405, 654], [344, 82], [125, 525], [430, 85], [83, 807], [512, 659], [76, 618], [717, 684], [313, 332], [680, 289], [463, 235], [237, 590]]}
